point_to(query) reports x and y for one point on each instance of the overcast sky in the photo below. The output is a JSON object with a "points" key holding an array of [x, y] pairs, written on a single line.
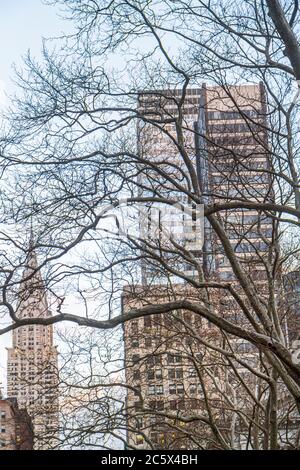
{"points": [[23, 24]]}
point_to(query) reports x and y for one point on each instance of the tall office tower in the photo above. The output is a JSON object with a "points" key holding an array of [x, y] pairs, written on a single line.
{"points": [[233, 160], [169, 369], [163, 226], [16, 432], [32, 366], [224, 136]]}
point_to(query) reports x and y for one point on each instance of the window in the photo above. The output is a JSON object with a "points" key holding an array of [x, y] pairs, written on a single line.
{"points": [[153, 360], [232, 128], [135, 358], [194, 403], [157, 405], [134, 326], [232, 114], [150, 375], [173, 404], [135, 343], [147, 321], [199, 357], [139, 423], [192, 373], [137, 405], [180, 405], [175, 373], [3, 430], [154, 374], [136, 375], [176, 389], [156, 390], [188, 317], [3, 414], [174, 359], [148, 342]]}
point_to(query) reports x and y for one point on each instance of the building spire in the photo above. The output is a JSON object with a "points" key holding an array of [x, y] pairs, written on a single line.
{"points": [[31, 236], [32, 292]]}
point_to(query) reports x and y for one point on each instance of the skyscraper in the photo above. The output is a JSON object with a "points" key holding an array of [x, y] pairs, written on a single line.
{"points": [[32, 365], [224, 135], [234, 164]]}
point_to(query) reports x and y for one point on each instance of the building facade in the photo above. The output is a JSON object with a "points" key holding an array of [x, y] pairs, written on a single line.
{"points": [[168, 370], [16, 430], [32, 364], [225, 138], [170, 373], [291, 283]]}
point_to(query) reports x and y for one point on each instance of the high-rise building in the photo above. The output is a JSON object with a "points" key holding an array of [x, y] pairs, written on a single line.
{"points": [[165, 362], [234, 165], [16, 431], [32, 365], [161, 224], [224, 135]]}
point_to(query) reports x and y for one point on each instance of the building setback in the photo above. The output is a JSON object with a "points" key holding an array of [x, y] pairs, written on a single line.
{"points": [[32, 367]]}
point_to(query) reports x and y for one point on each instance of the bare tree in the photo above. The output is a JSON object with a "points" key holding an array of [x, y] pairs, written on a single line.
{"points": [[70, 157]]}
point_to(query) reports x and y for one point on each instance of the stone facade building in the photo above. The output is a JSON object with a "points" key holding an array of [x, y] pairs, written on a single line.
{"points": [[32, 367], [16, 430]]}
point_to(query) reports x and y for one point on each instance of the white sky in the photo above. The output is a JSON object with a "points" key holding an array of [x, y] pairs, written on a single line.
{"points": [[23, 24]]}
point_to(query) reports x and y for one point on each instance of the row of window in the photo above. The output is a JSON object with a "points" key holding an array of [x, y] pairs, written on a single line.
{"points": [[176, 404], [235, 140], [232, 176], [232, 114], [234, 128], [157, 374], [182, 337], [157, 359], [174, 389], [149, 321]]}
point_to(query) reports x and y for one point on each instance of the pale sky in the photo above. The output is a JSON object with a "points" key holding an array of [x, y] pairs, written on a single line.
{"points": [[23, 24]]}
